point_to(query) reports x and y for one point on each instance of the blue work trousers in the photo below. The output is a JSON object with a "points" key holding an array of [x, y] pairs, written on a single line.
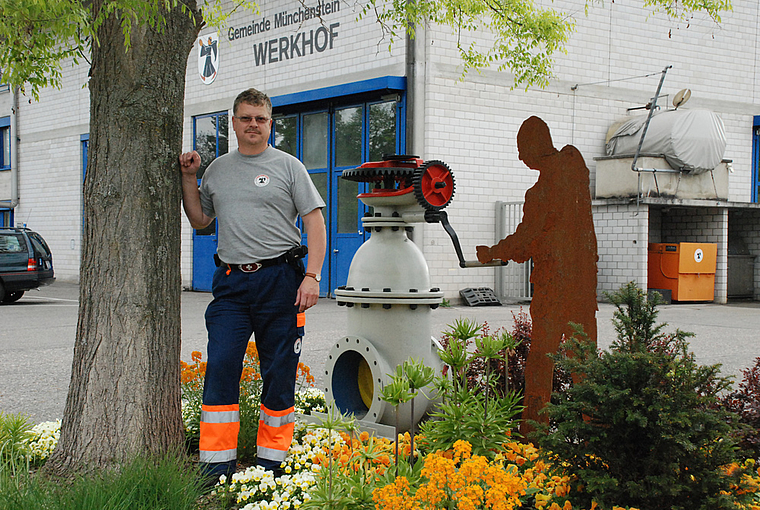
{"points": [[261, 304]]}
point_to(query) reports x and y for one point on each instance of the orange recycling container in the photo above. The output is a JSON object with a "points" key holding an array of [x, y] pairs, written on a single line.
{"points": [[686, 269]]}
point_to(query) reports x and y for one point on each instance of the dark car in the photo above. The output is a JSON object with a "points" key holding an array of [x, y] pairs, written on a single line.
{"points": [[25, 263]]}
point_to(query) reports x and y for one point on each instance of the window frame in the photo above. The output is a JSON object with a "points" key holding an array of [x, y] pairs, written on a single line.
{"points": [[5, 138]]}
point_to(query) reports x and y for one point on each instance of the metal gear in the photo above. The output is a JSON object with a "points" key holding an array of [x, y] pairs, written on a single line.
{"points": [[374, 174], [433, 185], [394, 171]]}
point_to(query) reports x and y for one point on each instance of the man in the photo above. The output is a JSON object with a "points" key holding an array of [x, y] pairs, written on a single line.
{"points": [[260, 287], [557, 231]]}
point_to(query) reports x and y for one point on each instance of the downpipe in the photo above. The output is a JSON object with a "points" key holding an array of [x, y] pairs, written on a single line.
{"points": [[14, 200]]}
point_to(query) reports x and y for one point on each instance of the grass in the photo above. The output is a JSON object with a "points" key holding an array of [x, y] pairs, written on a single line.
{"points": [[146, 483]]}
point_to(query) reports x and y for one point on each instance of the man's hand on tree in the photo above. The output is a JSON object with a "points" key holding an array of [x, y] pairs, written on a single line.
{"points": [[190, 162]]}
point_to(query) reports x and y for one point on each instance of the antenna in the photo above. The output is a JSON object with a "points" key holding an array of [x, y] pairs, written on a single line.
{"points": [[681, 97]]}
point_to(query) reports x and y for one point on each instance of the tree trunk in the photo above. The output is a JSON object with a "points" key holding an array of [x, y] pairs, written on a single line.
{"points": [[124, 394]]}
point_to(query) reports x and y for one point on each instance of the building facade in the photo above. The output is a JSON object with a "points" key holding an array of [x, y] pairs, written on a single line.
{"points": [[344, 93]]}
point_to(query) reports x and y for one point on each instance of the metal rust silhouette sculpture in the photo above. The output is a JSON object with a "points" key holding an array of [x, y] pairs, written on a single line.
{"points": [[557, 232]]}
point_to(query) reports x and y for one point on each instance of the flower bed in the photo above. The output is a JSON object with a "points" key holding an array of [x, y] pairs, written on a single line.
{"points": [[679, 437]]}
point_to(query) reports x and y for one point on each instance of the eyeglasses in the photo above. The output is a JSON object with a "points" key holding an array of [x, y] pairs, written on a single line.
{"points": [[259, 119]]}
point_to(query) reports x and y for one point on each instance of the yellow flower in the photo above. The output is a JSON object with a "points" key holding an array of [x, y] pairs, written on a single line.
{"points": [[462, 450]]}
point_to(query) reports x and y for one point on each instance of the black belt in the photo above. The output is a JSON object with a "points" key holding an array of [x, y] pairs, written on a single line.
{"points": [[252, 267], [255, 266], [293, 257]]}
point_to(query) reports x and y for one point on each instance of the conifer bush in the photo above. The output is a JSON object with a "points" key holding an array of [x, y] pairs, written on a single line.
{"points": [[641, 427]]}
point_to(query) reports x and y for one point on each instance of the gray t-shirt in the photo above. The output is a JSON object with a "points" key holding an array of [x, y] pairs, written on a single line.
{"points": [[257, 200]]}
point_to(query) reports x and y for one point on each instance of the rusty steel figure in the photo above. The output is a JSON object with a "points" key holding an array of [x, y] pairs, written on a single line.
{"points": [[557, 232]]}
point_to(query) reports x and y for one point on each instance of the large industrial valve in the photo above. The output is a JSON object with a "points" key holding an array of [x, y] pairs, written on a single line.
{"points": [[388, 293]]}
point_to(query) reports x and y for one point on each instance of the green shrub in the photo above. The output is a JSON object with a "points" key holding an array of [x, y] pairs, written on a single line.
{"points": [[506, 371], [475, 401], [15, 434], [641, 428], [250, 411]]}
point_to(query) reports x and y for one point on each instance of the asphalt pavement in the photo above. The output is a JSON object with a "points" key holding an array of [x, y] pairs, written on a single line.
{"points": [[37, 337]]}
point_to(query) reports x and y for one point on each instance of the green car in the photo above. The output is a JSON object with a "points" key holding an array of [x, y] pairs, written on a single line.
{"points": [[25, 263]]}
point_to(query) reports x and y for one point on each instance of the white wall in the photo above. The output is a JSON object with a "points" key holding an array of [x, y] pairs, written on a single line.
{"points": [[50, 167], [614, 62]]}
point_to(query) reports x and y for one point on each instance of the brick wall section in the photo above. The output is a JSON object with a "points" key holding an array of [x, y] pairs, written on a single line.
{"points": [[621, 233]]}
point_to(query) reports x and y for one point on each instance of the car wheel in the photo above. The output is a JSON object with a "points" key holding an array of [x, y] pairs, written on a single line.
{"points": [[2, 292], [12, 297]]}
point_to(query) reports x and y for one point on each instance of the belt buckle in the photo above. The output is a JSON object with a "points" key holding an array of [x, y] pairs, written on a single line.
{"points": [[250, 268]]}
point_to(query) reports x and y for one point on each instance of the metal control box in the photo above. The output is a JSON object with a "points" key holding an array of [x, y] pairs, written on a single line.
{"points": [[686, 269]]}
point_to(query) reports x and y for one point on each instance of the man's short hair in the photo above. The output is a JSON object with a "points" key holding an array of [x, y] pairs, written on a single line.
{"points": [[252, 97]]}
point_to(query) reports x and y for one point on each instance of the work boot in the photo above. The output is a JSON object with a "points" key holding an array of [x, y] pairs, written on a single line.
{"points": [[271, 465], [211, 473]]}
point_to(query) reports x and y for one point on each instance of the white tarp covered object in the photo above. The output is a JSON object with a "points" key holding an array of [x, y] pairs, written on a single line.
{"points": [[691, 141]]}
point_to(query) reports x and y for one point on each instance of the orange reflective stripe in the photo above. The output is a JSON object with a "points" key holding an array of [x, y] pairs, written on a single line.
{"points": [[301, 320], [219, 427], [218, 436], [276, 437]]}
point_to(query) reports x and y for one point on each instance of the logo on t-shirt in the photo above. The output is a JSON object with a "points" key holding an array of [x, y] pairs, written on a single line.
{"points": [[262, 180]]}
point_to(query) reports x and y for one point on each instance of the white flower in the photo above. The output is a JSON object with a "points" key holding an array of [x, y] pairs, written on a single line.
{"points": [[44, 438]]}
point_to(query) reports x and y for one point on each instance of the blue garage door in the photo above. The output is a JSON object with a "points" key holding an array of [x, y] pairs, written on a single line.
{"points": [[329, 140], [328, 130], [210, 139]]}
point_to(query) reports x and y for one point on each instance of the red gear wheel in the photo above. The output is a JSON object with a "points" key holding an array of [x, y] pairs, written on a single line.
{"points": [[433, 185]]}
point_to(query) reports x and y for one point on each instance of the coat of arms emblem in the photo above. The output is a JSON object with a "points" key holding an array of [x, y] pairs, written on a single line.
{"points": [[208, 57]]}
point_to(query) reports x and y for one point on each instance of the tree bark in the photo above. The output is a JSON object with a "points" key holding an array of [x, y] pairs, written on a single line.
{"points": [[124, 394]]}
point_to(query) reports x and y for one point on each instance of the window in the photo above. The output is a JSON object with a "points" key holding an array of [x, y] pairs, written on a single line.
{"points": [[329, 137], [12, 243], [210, 138], [5, 143], [84, 140], [4, 87], [6, 217], [38, 243]]}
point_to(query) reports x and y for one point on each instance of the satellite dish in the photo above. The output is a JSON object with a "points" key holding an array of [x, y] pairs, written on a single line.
{"points": [[681, 97]]}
